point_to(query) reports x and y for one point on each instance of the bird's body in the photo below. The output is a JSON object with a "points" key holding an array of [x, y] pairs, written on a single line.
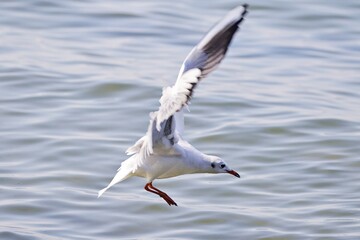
{"points": [[181, 159], [162, 152]]}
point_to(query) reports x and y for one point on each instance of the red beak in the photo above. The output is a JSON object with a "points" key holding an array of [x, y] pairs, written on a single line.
{"points": [[232, 172]]}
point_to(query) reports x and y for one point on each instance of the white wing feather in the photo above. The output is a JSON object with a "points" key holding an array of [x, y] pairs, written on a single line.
{"points": [[202, 60]]}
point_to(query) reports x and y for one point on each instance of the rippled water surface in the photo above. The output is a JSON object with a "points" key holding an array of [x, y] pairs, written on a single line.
{"points": [[78, 79]]}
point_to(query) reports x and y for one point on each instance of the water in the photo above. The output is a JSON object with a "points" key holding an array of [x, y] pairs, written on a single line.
{"points": [[78, 78]]}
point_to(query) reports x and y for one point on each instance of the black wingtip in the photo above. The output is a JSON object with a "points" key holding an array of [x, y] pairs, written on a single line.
{"points": [[244, 13], [245, 6]]}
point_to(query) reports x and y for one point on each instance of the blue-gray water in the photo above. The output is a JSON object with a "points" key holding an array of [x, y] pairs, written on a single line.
{"points": [[78, 79]]}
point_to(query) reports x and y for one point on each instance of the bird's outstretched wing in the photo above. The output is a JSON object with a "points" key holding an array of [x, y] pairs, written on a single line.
{"points": [[202, 60]]}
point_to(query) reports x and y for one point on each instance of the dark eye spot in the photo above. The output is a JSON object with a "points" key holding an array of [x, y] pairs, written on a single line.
{"points": [[222, 165], [213, 165]]}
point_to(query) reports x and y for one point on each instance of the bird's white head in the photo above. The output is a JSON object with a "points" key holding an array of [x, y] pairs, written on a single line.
{"points": [[217, 165]]}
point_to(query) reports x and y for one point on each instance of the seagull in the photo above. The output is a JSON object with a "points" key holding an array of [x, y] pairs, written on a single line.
{"points": [[162, 152]]}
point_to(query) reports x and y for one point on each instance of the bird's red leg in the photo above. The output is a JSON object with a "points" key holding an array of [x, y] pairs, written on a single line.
{"points": [[164, 195], [150, 188]]}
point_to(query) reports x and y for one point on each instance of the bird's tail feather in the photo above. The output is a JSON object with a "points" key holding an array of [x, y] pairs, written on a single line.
{"points": [[101, 192], [124, 172], [121, 175]]}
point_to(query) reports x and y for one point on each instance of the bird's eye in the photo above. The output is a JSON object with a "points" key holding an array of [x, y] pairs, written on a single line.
{"points": [[213, 165], [222, 165]]}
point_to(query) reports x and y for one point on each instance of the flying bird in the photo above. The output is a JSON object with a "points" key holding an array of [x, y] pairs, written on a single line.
{"points": [[162, 152]]}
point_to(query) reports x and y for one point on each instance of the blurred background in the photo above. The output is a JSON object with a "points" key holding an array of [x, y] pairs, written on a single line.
{"points": [[78, 79]]}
